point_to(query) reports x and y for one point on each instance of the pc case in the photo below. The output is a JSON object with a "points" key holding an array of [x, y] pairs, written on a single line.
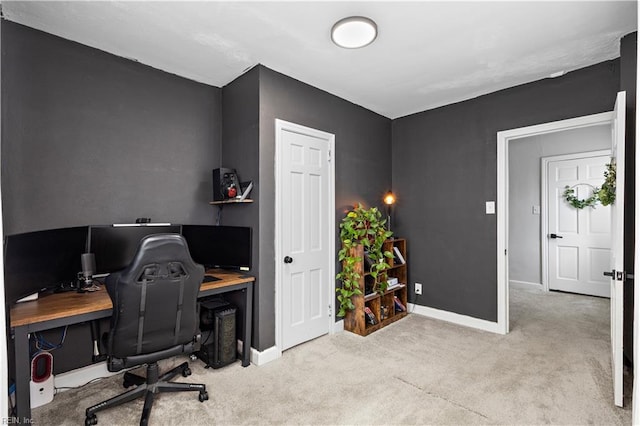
{"points": [[218, 327]]}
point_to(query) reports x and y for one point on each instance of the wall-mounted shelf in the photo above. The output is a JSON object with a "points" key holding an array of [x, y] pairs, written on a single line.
{"points": [[231, 201]]}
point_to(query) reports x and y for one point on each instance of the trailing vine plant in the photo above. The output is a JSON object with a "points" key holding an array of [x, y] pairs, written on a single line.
{"points": [[605, 195], [367, 228]]}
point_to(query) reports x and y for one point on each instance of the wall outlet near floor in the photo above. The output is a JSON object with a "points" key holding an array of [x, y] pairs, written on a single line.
{"points": [[417, 287]]}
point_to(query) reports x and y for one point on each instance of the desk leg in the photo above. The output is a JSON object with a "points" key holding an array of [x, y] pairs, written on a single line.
{"points": [[246, 325], [22, 374]]}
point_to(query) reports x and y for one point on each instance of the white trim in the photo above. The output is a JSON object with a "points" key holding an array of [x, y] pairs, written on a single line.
{"points": [[261, 358], [271, 354], [330, 211], [82, 376], [525, 285], [4, 373], [452, 317], [502, 232], [544, 205], [635, 399]]}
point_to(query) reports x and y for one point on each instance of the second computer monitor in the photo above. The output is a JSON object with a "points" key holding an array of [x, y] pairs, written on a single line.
{"points": [[219, 246], [42, 260]]}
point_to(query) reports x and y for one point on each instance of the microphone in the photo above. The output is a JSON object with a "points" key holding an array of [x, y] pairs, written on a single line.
{"points": [[88, 267]]}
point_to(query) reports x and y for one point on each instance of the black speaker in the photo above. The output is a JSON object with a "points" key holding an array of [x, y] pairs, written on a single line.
{"points": [[225, 184], [218, 326]]}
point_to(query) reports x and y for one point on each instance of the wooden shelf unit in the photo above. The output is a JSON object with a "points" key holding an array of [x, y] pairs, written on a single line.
{"points": [[354, 320]]}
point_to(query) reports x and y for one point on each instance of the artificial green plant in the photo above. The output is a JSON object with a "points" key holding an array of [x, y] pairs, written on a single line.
{"points": [[367, 228]]}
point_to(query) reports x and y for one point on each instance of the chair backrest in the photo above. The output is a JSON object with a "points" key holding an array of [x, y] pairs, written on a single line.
{"points": [[154, 298]]}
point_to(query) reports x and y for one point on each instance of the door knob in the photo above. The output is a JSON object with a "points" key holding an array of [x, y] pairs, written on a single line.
{"points": [[610, 274], [554, 236], [288, 259]]}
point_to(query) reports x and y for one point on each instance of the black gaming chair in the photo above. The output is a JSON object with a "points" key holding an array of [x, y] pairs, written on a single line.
{"points": [[155, 316]]}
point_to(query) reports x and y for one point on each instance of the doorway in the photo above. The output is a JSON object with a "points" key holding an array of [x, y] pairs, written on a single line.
{"points": [[528, 163], [576, 241], [305, 229], [616, 119], [512, 140]]}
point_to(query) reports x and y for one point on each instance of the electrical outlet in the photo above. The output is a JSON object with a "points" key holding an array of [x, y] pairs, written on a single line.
{"points": [[490, 207], [417, 288]]}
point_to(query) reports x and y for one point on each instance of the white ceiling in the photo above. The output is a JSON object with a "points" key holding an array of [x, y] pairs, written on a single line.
{"points": [[427, 53]]}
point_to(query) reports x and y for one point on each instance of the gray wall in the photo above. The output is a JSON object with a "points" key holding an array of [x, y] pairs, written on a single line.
{"points": [[362, 162], [444, 169], [240, 151], [91, 138], [525, 262], [362, 144]]}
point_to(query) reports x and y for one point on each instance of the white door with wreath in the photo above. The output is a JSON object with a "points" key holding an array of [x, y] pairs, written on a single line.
{"points": [[579, 225]]}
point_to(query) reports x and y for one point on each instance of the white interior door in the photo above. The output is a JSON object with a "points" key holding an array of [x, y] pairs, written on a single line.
{"points": [[617, 247], [305, 232], [579, 240]]}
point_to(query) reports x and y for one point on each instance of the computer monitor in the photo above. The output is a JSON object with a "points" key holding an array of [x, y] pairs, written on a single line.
{"points": [[42, 260], [226, 247], [115, 245]]}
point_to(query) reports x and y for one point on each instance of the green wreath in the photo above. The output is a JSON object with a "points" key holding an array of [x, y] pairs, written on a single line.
{"points": [[605, 195]]}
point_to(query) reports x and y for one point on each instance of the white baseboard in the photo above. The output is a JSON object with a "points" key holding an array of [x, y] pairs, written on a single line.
{"points": [[81, 376], [271, 354], [525, 285], [338, 327], [268, 355], [454, 318]]}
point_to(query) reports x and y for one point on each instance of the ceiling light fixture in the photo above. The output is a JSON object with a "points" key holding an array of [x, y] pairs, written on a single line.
{"points": [[354, 32]]}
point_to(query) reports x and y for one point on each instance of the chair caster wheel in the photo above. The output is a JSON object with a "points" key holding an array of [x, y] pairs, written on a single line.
{"points": [[186, 372], [203, 396], [91, 420]]}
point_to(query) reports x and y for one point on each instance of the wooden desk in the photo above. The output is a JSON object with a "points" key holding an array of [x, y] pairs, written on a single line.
{"points": [[61, 309]]}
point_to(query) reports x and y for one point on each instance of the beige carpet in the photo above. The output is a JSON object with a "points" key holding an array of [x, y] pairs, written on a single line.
{"points": [[552, 368]]}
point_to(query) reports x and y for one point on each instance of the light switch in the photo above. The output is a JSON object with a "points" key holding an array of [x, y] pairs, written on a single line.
{"points": [[490, 207]]}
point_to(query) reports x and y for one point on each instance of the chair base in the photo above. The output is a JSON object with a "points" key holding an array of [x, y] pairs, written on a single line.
{"points": [[148, 387]]}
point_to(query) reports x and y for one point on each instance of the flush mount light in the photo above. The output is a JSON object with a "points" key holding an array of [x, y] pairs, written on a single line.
{"points": [[354, 32]]}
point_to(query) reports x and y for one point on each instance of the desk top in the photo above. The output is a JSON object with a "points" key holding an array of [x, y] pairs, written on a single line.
{"points": [[61, 305]]}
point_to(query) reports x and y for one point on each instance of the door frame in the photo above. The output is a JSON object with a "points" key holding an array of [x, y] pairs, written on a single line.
{"points": [[502, 210], [329, 210], [544, 194]]}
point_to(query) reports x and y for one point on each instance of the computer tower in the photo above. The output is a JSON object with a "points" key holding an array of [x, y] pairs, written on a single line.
{"points": [[218, 327]]}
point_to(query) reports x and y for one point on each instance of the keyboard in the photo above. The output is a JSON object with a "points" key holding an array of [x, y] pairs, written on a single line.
{"points": [[209, 278]]}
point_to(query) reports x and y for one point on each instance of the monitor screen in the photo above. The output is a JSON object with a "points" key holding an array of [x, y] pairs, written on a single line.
{"points": [[41, 260], [115, 245], [219, 246]]}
